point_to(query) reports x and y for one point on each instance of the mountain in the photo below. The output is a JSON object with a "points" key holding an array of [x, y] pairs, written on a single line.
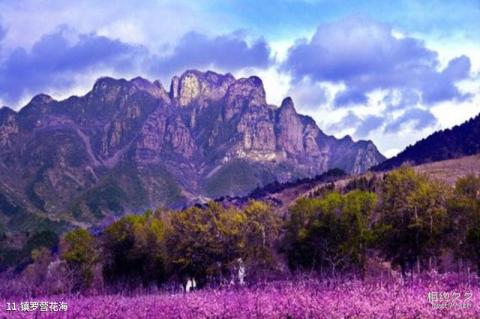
{"points": [[127, 146], [461, 140]]}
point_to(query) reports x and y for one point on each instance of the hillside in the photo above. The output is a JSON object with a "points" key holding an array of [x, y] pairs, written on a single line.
{"points": [[461, 140], [450, 170], [282, 196]]}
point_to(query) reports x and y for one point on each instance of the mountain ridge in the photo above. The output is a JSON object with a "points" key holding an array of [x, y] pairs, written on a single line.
{"points": [[128, 145], [460, 140]]}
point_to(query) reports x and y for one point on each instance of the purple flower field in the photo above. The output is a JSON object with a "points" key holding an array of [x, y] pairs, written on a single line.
{"points": [[452, 297]]}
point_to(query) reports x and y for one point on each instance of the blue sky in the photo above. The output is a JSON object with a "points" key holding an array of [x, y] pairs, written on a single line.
{"points": [[280, 18], [389, 71]]}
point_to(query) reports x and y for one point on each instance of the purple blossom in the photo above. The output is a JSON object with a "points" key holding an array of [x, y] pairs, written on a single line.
{"points": [[309, 298]]}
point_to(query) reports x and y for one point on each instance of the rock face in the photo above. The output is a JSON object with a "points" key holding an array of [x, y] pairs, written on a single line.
{"points": [[129, 145]]}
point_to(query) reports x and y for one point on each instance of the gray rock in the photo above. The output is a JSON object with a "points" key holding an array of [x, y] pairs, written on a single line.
{"points": [[129, 145]]}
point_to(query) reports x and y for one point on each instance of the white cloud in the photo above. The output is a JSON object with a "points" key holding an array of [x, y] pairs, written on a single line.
{"points": [[151, 23], [450, 114], [280, 48], [159, 25]]}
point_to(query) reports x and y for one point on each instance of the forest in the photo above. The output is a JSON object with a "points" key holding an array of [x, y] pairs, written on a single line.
{"points": [[402, 223]]}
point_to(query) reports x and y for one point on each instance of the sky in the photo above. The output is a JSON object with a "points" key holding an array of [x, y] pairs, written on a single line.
{"points": [[388, 71]]}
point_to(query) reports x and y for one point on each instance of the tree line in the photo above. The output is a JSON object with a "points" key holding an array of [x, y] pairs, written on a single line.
{"points": [[404, 218]]}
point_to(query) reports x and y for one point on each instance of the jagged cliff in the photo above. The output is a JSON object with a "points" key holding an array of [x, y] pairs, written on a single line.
{"points": [[129, 145]]}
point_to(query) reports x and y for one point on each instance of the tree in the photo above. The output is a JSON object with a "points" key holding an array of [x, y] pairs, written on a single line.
{"points": [[412, 218], [135, 250], [79, 251], [300, 254], [261, 229], [330, 234], [36, 273], [464, 217], [358, 210], [205, 243]]}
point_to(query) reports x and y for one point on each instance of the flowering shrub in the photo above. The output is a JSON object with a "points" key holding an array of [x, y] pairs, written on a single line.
{"points": [[286, 299]]}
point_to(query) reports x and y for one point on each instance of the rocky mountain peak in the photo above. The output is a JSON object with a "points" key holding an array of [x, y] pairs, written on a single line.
{"points": [[6, 111], [193, 86], [106, 83], [143, 84], [217, 79], [347, 138], [106, 90], [174, 87], [290, 127], [35, 109], [287, 104], [42, 99], [155, 89], [244, 93], [189, 88], [129, 145], [196, 86]]}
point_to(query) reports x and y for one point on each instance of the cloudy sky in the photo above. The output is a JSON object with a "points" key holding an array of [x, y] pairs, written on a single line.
{"points": [[389, 71]]}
